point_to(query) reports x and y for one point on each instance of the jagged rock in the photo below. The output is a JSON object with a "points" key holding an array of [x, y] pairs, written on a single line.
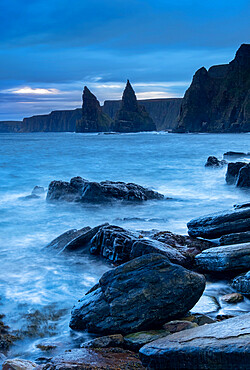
{"points": [[222, 223], [139, 295], [242, 283], [18, 364], [135, 341], [236, 154], [62, 240], [218, 100], [243, 180], [215, 162], [229, 258], [115, 340], [233, 171], [132, 117], [93, 119], [218, 346], [81, 190], [235, 238]]}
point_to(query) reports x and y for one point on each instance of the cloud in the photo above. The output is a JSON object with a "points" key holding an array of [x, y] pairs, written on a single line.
{"points": [[33, 91]]}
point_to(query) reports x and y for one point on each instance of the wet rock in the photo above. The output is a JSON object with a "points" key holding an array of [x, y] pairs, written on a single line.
{"points": [[135, 341], [179, 325], [46, 346], [243, 205], [215, 162], [80, 190], [139, 295], [243, 179], [230, 258], [235, 238], [7, 338], [221, 317], [115, 340], [233, 171], [199, 319], [62, 240], [206, 305], [236, 154], [222, 223], [18, 364], [38, 190], [232, 298], [94, 359], [222, 345], [242, 283]]}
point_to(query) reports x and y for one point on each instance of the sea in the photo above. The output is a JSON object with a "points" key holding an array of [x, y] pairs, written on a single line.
{"points": [[38, 287]]}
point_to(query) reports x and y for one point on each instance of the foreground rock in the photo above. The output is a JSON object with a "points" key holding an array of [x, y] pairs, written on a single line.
{"points": [[81, 190], [18, 364], [235, 238], [94, 359], [222, 223], [215, 162], [219, 346], [229, 258], [242, 283], [139, 295]]}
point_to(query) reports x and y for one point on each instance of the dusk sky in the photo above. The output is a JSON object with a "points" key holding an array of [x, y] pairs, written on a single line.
{"points": [[50, 49]]}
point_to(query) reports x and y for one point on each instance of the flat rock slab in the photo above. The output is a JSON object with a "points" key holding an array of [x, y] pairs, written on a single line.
{"points": [[229, 258], [219, 346]]}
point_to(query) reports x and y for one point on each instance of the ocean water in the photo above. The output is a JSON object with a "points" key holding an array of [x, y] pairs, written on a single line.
{"points": [[38, 287]]}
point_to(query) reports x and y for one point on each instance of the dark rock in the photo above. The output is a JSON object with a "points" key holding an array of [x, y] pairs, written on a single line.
{"points": [[222, 223], [220, 346], [38, 190], [135, 341], [139, 295], [235, 238], [62, 240], [132, 117], [236, 154], [233, 171], [199, 319], [94, 359], [242, 283], [218, 99], [179, 325], [243, 180], [80, 190], [230, 258], [243, 205], [7, 338], [30, 197], [232, 298], [115, 340], [215, 162]]}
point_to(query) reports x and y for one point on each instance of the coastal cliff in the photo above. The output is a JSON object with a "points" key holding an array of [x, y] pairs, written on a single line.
{"points": [[218, 100]]}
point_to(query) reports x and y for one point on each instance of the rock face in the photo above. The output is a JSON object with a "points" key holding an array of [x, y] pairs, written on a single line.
{"points": [[222, 223], [219, 346], [243, 180], [132, 117], [10, 126], [93, 119], [233, 171], [229, 258], [81, 190], [139, 295], [218, 100], [242, 283], [214, 162], [164, 112]]}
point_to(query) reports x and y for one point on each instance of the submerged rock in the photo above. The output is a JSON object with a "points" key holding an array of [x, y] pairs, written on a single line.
{"points": [[38, 190], [242, 283], [80, 190], [139, 295], [220, 346], [232, 298], [215, 162]]}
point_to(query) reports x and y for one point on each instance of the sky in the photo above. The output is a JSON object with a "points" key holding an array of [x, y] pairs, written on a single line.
{"points": [[51, 49]]}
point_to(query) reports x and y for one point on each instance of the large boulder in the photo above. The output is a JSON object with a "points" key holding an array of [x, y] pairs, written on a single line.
{"points": [[233, 171], [132, 117], [218, 346], [229, 258], [242, 283], [139, 295], [243, 179], [222, 223], [81, 190]]}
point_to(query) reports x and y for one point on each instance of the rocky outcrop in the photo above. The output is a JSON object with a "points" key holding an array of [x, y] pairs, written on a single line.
{"points": [[215, 162], [93, 119], [81, 190], [218, 100], [223, 345], [222, 223], [164, 112], [132, 117], [232, 154], [10, 126], [242, 283], [139, 295], [233, 169], [243, 179]]}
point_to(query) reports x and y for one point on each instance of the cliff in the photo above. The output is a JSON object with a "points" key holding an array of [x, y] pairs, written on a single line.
{"points": [[93, 119], [218, 100], [10, 126], [164, 112]]}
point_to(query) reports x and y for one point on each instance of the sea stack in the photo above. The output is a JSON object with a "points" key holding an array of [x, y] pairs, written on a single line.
{"points": [[132, 117], [93, 119]]}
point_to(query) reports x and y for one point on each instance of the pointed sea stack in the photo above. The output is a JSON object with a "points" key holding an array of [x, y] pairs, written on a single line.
{"points": [[131, 116], [93, 120]]}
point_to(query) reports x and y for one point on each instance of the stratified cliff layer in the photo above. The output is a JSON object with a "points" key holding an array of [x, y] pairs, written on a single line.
{"points": [[93, 119], [132, 117], [218, 100]]}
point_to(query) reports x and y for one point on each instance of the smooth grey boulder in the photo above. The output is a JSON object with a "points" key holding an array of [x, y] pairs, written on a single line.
{"points": [[81, 190], [222, 223], [139, 295], [218, 346], [233, 171], [229, 258], [242, 283], [243, 179], [235, 238]]}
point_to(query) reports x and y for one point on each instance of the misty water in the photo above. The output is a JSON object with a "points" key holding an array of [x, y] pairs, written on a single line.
{"points": [[39, 287]]}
